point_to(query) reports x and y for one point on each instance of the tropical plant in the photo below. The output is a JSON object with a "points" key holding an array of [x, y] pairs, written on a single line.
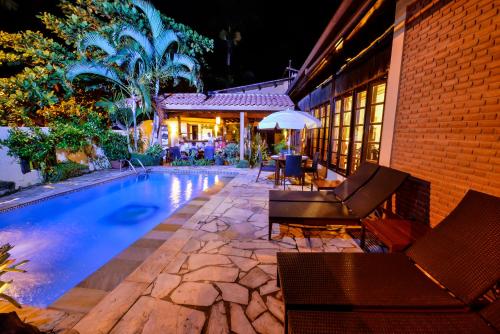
{"points": [[282, 145], [115, 146], [231, 150], [40, 83], [7, 266], [137, 62], [154, 150]]}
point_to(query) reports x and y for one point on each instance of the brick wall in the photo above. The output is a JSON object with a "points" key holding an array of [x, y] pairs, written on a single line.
{"points": [[447, 130]]}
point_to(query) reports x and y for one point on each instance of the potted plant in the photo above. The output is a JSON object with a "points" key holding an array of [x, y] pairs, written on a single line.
{"points": [[115, 148]]}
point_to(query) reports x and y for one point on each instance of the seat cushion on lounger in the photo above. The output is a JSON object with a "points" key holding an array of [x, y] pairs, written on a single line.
{"points": [[314, 213], [351, 281], [302, 196], [320, 322]]}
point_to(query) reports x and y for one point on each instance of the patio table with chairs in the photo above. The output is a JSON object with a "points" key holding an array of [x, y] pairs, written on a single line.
{"points": [[280, 163]]}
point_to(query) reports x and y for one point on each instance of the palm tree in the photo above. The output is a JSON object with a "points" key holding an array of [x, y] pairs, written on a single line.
{"points": [[138, 62], [158, 54]]}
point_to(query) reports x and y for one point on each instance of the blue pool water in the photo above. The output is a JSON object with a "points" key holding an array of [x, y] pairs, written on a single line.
{"points": [[68, 237]]}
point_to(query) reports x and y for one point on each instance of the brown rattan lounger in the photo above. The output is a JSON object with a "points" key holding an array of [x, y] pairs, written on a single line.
{"points": [[358, 206], [341, 193], [324, 322], [462, 253]]}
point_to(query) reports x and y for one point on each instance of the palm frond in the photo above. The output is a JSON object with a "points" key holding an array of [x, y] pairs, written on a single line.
{"points": [[186, 61], [141, 39], [153, 16], [96, 40], [146, 98], [165, 40], [96, 69]]}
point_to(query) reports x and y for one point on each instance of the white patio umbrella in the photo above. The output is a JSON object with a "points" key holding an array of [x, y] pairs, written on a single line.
{"points": [[289, 119]]}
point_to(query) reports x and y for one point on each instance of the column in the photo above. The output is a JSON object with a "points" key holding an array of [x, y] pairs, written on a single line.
{"points": [[242, 135]]}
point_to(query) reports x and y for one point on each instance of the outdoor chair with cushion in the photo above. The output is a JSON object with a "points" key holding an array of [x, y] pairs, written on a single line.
{"points": [[313, 169], [264, 165], [461, 253], [362, 203], [327, 322], [341, 193], [174, 153], [209, 153], [293, 168]]}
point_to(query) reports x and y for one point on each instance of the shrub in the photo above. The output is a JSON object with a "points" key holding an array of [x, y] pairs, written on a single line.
{"points": [[202, 162], [180, 162], [68, 136], [6, 187], [146, 159], [115, 146], [65, 170], [243, 164], [32, 145]]}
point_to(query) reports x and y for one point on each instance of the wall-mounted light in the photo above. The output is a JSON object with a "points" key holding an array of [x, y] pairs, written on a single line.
{"points": [[217, 120]]}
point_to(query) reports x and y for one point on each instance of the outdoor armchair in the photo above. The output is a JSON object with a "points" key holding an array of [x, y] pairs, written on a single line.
{"points": [[264, 165], [293, 168]]}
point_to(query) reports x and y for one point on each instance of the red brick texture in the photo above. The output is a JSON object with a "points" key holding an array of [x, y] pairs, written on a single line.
{"points": [[447, 131]]}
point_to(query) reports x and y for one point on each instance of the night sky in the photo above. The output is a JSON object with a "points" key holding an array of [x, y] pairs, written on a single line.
{"points": [[272, 32]]}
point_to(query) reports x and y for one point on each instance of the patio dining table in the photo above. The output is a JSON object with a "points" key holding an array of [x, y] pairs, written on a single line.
{"points": [[280, 162]]}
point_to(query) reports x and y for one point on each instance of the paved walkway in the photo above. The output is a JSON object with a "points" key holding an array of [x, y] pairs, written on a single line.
{"points": [[216, 274]]}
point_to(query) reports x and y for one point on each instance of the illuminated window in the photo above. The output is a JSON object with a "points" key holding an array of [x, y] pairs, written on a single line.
{"points": [[357, 128]]}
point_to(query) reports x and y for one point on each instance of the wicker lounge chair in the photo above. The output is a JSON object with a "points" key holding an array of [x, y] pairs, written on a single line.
{"points": [[461, 253], [362, 203], [324, 322], [344, 190]]}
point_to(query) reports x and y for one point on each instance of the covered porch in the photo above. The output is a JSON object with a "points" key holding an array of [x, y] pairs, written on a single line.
{"points": [[195, 117]]}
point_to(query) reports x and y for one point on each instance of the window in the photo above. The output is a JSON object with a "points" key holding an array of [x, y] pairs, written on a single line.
{"points": [[319, 136], [345, 132], [375, 122], [359, 121], [357, 128], [335, 132], [323, 132]]}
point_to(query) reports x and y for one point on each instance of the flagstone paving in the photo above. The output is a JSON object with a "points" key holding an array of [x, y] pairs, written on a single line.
{"points": [[216, 274]]}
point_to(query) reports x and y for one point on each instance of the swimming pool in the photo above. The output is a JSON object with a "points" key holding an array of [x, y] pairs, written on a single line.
{"points": [[68, 237]]}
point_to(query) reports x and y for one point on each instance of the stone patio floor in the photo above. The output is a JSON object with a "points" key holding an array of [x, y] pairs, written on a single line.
{"points": [[216, 274]]}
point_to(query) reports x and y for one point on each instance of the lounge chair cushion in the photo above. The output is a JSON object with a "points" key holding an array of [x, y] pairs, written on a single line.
{"points": [[321, 322], [302, 196], [347, 281]]}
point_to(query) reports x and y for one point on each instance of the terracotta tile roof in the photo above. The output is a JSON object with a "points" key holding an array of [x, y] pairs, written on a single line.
{"points": [[225, 101]]}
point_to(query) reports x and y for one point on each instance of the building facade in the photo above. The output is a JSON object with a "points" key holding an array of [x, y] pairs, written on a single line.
{"points": [[414, 85]]}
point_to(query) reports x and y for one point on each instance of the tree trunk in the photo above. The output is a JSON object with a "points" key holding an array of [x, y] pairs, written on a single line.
{"points": [[156, 119], [136, 137]]}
